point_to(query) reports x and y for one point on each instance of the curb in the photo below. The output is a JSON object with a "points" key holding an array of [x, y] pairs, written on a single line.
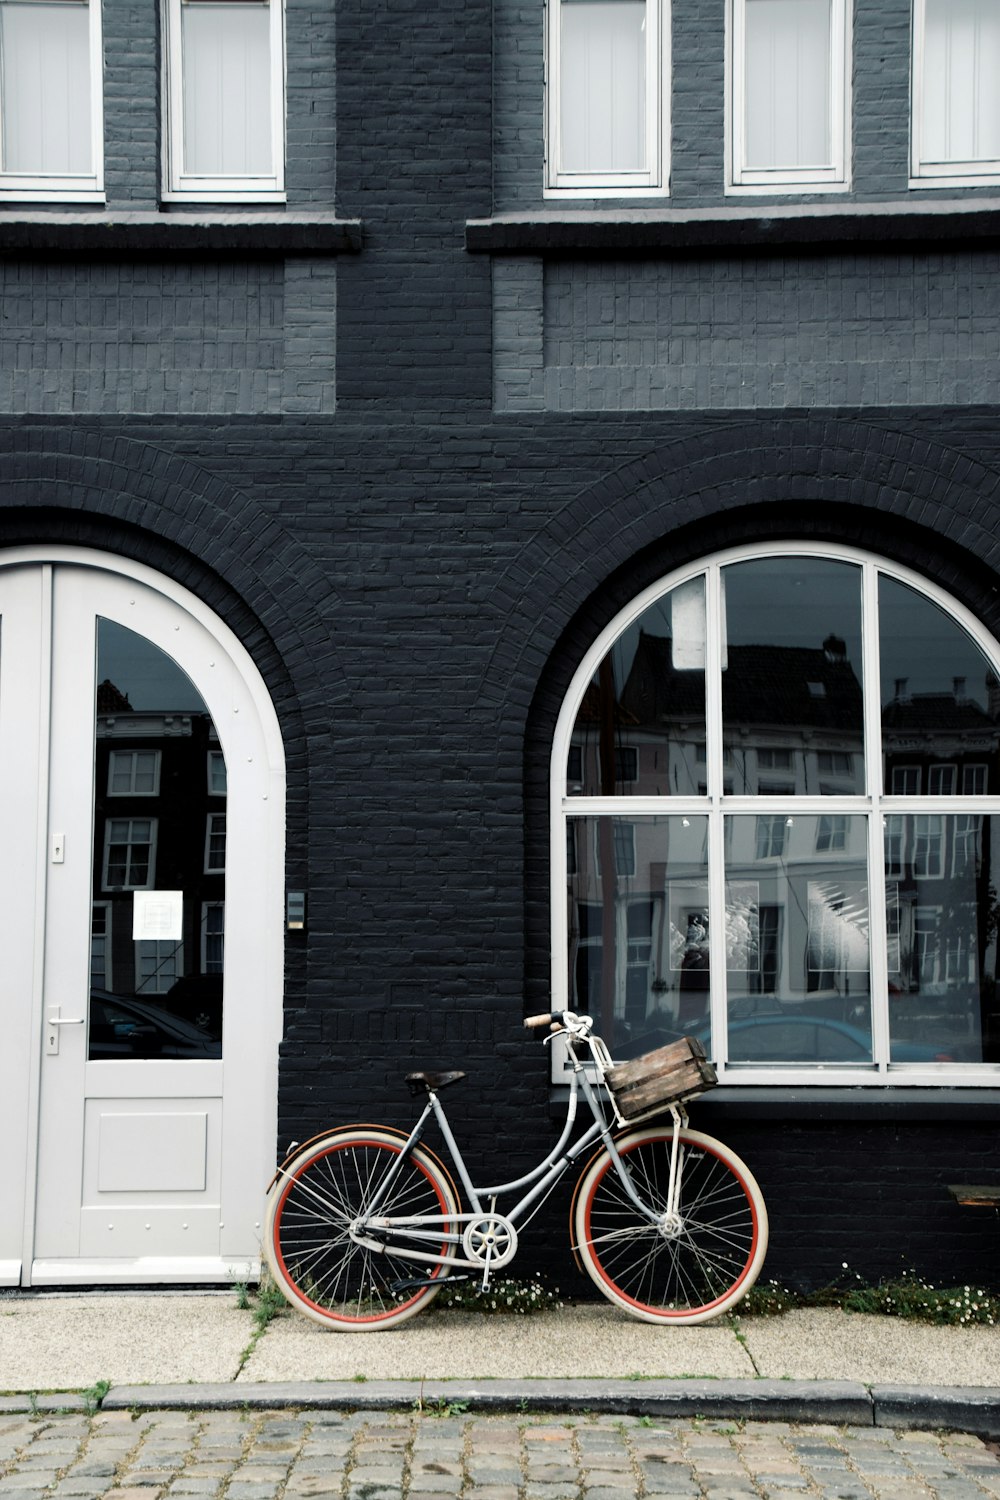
{"points": [[971, 1409]]}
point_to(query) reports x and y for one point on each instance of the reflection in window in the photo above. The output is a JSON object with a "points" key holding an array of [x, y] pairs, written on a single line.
{"points": [[792, 660], [800, 999], [134, 773], [129, 853], [771, 832], [764, 913], [641, 725], [156, 991], [639, 943], [215, 843]]}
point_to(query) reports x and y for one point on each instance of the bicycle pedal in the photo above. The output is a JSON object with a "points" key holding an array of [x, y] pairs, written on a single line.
{"points": [[411, 1284]]}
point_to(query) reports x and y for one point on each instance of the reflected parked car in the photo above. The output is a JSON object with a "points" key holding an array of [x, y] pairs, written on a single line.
{"points": [[126, 1027], [813, 1039]]}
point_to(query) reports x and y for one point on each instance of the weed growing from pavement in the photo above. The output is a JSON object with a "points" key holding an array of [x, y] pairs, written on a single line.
{"points": [[504, 1296], [905, 1296]]}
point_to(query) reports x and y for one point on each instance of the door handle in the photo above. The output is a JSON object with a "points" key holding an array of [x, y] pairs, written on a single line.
{"points": [[52, 1025]]}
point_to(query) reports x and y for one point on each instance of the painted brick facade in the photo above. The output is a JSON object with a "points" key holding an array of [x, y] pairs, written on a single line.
{"points": [[520, 444]]}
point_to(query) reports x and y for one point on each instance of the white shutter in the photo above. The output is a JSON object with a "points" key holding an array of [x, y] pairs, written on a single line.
{"points": [[961, 81], [787, 73], [603, 86], [226, 70], [45, 88]]}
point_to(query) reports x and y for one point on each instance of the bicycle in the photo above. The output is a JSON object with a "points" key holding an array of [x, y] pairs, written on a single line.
{"points": [[365, 1225]]}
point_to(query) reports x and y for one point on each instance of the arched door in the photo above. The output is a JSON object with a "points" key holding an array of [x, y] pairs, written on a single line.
{"points": [[142, 802]]}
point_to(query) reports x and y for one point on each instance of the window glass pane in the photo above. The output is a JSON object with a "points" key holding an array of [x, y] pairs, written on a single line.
{"points": [[638, 939], [226, 69], [792, 676], [641, 727], [156, 993], [787, 83], [797, 940], [941, 916], [45, 88], [940, 697], [961, 65], [602, 82]]}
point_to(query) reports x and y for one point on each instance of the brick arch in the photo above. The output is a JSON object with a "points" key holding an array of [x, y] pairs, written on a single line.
{"points": [[127, 496], [839, 478]]}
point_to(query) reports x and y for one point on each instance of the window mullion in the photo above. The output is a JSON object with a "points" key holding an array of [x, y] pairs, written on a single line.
{"points": [[715, 651]]}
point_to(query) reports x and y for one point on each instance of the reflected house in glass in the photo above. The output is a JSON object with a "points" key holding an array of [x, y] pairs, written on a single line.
{"points": [[797, 903], [160, 825]]}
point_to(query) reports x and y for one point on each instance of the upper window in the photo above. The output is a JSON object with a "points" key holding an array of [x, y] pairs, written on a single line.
{"points": [[225, 67], [606, 96], [808, 929], [789, 93], [134, 773], [956, 102], [51, 140]]}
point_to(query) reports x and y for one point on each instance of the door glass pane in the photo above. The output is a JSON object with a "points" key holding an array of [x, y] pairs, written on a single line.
{"points": [[159, 859], [45, 87], [797, 939], [940, 698], [603, 85], [638, 949], [640, 730], [793, 719], [787, 83], [941, 917], [227, 89]]}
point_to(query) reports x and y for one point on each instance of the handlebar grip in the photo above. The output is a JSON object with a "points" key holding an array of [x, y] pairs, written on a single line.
{"points": [[533, 1022]]}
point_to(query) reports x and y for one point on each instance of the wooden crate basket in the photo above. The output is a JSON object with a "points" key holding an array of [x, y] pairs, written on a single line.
{"points": [[650, 1083]]}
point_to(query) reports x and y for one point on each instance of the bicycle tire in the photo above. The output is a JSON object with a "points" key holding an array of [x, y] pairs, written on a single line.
{"points": [[698, 1272], [317, 1195]]}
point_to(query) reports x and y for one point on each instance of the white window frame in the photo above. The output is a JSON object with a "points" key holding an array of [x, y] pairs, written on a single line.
{"points": [[168, 965], [85, 187], [150, 882], [220, 934], [181, 186], [655, 180], [834, 177], [211, 829], [100, 976], [879, 807], [932, 174], [975, 771], [939, 773], [119, 757], [216, 785]]}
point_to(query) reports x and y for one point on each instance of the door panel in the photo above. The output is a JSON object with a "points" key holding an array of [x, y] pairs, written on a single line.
{"points": [[144, 1159]]}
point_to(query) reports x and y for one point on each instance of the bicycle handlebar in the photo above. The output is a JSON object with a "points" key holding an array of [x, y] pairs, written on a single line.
{"points": [[533, 1022]]}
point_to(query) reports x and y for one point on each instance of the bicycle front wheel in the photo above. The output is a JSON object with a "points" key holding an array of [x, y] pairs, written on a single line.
{"points": [[684, 1270], [325, 1273]]}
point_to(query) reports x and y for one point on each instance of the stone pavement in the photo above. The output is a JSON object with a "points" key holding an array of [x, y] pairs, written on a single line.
{"points": [[444, 1453]]}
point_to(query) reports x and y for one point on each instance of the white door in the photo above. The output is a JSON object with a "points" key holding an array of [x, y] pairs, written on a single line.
{"points": [[141, 875]]}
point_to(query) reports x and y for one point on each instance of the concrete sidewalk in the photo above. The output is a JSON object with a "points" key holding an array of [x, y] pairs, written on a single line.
{"points": [[158, 1350]]}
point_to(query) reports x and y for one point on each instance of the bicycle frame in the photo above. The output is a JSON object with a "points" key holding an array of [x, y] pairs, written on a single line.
{"points": [[379, 1233]]}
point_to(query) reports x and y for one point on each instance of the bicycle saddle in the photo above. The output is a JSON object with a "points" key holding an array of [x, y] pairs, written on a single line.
{"points": [[431, 1082]]}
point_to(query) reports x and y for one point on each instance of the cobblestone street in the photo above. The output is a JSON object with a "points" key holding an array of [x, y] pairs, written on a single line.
{"points": [[444, 1455]]}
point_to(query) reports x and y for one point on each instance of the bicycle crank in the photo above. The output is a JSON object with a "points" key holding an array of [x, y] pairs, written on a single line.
{"points": [[491, 1240]]}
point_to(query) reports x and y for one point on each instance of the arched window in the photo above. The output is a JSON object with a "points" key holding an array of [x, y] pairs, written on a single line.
{"points": [[776, 823]]}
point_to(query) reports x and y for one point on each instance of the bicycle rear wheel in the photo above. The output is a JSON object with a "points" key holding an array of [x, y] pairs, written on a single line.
{"points": [[685, 1272], [316, 1198]]}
